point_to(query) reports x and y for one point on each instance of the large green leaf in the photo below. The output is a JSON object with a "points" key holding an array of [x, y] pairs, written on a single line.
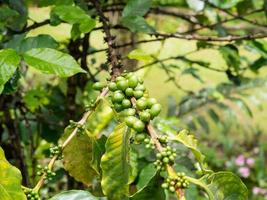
{"points": [[222, 186], [75, 195], [115, 164], [51, 61], [136, 8], [77, 157], [75, 15], [40, 41], [10, 180], [43, 3], [9, 60]]}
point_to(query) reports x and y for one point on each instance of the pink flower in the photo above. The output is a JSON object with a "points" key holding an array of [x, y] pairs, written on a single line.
{"points": [[256, 190], [244, 171], [250, 161], [240, 160]]}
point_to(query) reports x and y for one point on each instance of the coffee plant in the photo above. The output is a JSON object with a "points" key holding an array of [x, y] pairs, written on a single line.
{"points": [[77, 118]]}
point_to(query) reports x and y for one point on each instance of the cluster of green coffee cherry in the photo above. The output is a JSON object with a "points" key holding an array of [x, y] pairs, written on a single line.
{"points": [[56, 151], [31, 195], [129, 97], [173, 183], [166, 156], [48, 173]]}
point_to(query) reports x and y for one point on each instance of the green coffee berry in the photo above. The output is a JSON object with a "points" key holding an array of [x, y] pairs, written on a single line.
{"points": [[118, 107], [129, 92], [165, 185], [155, 110], [126, 103], [133, 81], [141, 104], [98, 86], [117, 97], [138, 126], [130, 112], [140, 137], [120, 78], [138, 94], [151, 102], [122, 85], [144, 116], [140, 87], [130, 121], [112, 86]]}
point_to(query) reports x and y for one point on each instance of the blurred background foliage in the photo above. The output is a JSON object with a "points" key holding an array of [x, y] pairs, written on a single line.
{"points": [[217, 89]]}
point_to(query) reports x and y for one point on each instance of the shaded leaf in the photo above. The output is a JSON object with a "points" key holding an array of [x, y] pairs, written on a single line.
{"points": [[75, 15], [115, 164], [152, 191], [137, 24], [40, 41], [10, 180], [259, 63], [147, 173], [75, 195], [203, 123], [98, 149], [231, 56], [51, 61], [77, 157], [9, 61], [242, 105], [136, 8]]}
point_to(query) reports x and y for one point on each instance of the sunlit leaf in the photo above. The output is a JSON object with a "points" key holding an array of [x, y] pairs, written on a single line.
{"points": [[78, 156], [10, 180], [9, 61], [51, 61], [136, 8], [115, 164]]}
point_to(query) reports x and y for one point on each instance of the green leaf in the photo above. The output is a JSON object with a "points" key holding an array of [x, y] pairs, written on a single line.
{"points": [[10, 180], [242, 105], [133, 166], [225, 3], [152, 191], [259, 63], [9, 61], [7, 14], [35, 98], [75, 195], [258, 46], [231, 56], [222, 185], [98, 149], [40, 41], [77, 157], [99, 119], [137, 24], [138, 54], [75, 15], [136, 8], [203, 123], [115, 164], [190, 142], [51, 61], [145, 176], [196, 5]]}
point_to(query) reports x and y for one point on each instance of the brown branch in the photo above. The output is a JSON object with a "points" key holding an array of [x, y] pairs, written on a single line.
{"points": [[113, 58]]}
